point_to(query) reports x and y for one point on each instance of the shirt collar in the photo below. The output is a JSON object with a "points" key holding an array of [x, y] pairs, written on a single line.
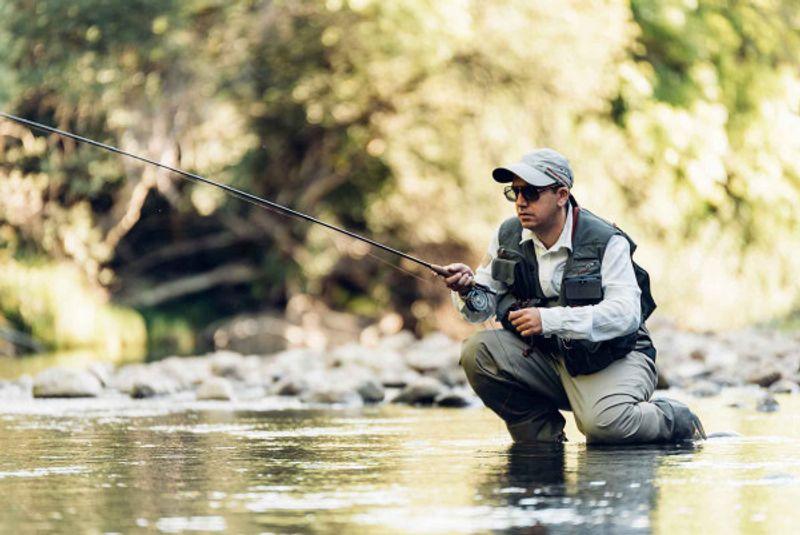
{"points": [[564, 240]]}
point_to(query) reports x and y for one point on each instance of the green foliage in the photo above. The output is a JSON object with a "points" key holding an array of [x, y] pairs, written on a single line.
{"points": [[679, 117]]}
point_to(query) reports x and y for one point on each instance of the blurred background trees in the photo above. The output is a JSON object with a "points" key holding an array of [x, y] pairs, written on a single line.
{"points": [[680, 119]]}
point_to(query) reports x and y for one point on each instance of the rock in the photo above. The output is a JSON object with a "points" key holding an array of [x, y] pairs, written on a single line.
{"points": [[452, 376], [704, 389], [335, 395], [250, 334], [396, 342], [66, 383], [397, 376], [290, 386], [22, 388], [185, 372], [371, 391], [217, 388], [764, 379], [422, 391], [434, 352], [784, 386], [452, 398], [102, 370], [767, 403]]}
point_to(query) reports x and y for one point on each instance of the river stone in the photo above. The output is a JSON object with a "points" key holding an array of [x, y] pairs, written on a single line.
{"points": [[704, 389], [767, 403], [784, 386], [290, 386], [66, 383], [217, 388], [422, 391], [333, 395], [452, 376], [371, 391], [765, 379], [22, 388], [452, 398]]}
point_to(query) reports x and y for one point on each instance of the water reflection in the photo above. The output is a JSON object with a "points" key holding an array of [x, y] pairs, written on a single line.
{"points": [[380, 470]]}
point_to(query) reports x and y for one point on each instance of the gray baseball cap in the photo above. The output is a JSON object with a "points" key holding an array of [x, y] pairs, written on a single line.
{"points": [[541, 167]]}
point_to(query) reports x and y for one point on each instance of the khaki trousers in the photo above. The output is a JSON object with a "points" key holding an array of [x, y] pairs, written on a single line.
{"points": [[610, 406]]}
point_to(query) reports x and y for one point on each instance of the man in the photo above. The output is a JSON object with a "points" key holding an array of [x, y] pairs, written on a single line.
{"points": [[573, 305]]}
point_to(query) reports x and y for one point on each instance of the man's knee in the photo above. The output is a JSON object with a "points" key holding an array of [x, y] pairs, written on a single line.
{"points": [[612, 424], [476, 357]]}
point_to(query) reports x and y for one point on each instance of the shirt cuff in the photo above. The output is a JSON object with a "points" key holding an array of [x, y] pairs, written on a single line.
{"points": [[551, 320]]}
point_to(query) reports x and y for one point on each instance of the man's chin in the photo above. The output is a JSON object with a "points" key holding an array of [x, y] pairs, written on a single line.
{"points": [[528, 222]]}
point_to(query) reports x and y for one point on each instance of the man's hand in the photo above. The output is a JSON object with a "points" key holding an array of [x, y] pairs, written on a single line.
{"points": [[527, 321], [460, 279]]}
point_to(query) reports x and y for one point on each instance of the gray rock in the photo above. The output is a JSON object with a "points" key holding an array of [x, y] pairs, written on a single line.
{"points": [[22, 388], [397, 376], [704, 389], [784, 386], [434, 352], [290, 386], [765, 379], [66, 383], [422, 391], [371, 391], [767, 403], [452, 398], [334, 395], [452, 376], [217, 388]]}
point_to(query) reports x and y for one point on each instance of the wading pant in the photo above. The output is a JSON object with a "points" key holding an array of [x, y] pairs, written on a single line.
{"points": [[610, 406]]}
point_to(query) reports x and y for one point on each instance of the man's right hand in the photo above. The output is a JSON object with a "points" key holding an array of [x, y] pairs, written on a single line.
{"points": [[460, 279]]}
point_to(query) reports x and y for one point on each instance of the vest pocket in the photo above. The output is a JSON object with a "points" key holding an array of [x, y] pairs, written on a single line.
{"points": [[503, 270], [579, 290]]}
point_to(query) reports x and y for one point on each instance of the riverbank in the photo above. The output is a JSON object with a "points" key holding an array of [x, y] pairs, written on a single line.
{"points": [[400, 368]]}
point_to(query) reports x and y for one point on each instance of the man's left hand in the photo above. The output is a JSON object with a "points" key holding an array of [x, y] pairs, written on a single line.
{"points": [[527, 321]]}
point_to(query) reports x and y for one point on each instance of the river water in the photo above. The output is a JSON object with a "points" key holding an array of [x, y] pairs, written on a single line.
{"points": [[115, 465]]}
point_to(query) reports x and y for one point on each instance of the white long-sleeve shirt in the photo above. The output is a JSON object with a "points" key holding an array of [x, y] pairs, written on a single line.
{"points": [[618, 314]]}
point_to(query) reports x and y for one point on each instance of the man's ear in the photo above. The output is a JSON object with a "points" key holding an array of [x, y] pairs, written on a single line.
{"points": [[563, 197]]}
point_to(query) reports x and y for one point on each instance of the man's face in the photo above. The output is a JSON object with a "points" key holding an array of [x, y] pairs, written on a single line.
{"points": [[542, 213]]}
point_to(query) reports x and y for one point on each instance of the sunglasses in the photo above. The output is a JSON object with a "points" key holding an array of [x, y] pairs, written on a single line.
{"points": [[529, 193]]}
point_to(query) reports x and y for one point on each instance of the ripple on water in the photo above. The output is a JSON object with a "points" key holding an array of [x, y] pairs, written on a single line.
{"points": [[47, 471]]}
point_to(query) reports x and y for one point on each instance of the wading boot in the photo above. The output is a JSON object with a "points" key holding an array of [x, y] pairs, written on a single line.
{"points": [[684, 423]]}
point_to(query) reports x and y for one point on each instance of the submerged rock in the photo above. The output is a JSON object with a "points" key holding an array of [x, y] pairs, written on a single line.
{"points": [[66, 383], [767, 403], [215, 388], [422, 391]]}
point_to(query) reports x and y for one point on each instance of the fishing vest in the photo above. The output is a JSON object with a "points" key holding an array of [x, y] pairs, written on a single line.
{"points": [[516, 266]]}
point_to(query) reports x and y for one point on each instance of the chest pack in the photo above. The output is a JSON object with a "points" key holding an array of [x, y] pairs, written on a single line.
{"points": [[516, 266]]}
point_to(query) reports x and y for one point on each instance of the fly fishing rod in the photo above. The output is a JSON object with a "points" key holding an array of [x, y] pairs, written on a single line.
{"points": [[474, 301]]}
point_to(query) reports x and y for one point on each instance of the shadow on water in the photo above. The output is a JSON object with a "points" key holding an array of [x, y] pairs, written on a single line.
{"points": [[573, 488]]}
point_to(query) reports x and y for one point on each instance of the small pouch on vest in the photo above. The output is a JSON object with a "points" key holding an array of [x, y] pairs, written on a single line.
{"points": [[586, 288], [503, 270]]}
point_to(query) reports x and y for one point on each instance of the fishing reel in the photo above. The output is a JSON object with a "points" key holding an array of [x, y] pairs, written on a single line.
{"points": [[480, 299]]}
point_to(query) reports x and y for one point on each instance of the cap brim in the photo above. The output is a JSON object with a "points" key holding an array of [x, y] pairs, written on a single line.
{"points": [[529, 174]]}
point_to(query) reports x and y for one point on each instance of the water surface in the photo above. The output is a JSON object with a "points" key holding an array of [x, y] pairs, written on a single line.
{"points": [[98, 466]]}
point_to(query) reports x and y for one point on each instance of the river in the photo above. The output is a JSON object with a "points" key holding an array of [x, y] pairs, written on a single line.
{"points": [[118, 465]]}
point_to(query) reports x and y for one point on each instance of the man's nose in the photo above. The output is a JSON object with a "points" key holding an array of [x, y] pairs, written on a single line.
{"points": [[521, 201]]}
